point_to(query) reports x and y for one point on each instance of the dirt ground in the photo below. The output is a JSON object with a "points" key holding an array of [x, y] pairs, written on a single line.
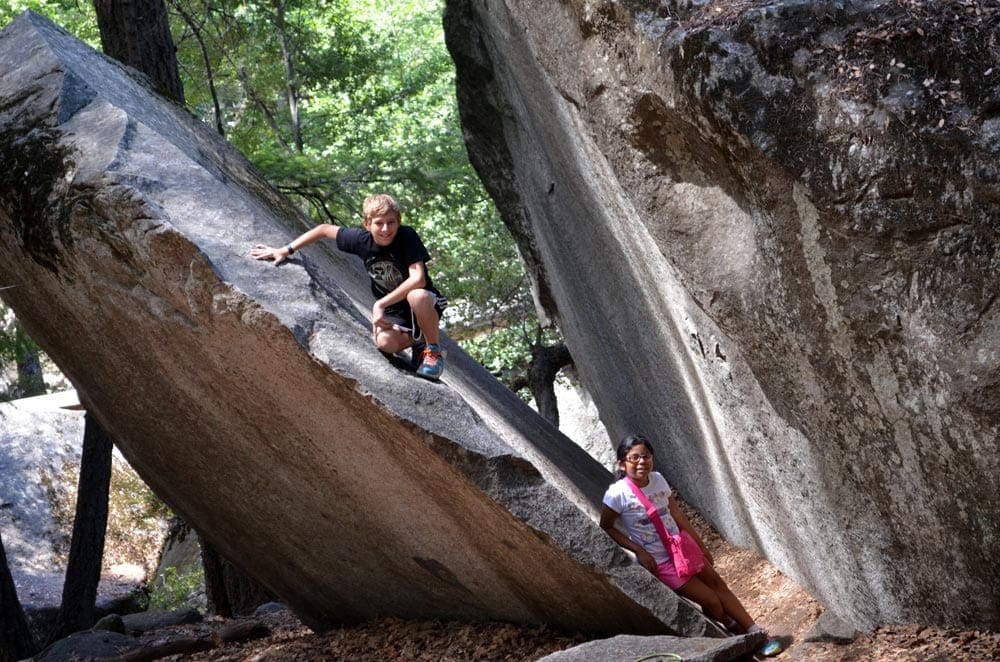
{"points": [[783, 607]]}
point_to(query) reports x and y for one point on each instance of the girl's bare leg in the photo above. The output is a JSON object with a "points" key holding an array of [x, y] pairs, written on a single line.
{"points": [[727, 600]]}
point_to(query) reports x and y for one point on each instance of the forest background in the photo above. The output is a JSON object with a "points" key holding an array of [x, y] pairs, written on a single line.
{"points": [[334, 100]]}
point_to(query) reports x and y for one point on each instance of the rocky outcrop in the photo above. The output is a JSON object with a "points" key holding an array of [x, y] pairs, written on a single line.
{"points": [[251, 399], [768, 232]]}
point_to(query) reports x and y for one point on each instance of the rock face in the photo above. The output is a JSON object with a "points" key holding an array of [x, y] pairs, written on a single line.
{"points": [[251, 399], [768, 232], [39, 438]]}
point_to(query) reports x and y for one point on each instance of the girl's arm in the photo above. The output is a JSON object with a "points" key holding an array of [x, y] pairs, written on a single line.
{"points": [[685, 524], [608, 519]]}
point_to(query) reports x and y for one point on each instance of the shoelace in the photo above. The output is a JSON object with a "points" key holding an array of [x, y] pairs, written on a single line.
{"points": [[431, 357]]}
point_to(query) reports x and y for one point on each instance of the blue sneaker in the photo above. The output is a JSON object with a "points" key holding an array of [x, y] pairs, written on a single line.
{"points": [[771, 648], [431, 363]]}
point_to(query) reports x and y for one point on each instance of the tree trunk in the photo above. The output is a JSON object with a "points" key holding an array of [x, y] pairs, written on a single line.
{"points": [[137, 33], [229, 590], [215, 581], [83, 572], [546, 362], [291, 86], [16, 642]]}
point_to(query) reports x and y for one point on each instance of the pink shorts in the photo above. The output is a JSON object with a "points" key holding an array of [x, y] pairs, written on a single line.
{"points": [[667, 573]]}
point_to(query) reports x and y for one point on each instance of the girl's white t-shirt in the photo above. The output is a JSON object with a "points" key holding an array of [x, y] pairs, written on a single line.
{"points": [[632, 518]]}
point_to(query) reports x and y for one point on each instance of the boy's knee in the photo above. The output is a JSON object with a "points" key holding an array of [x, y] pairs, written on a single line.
{"points": [[419, 298], [388, 340]]}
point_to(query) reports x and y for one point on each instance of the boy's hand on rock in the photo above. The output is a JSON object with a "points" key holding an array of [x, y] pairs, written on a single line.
{"points": [[262, 252]]}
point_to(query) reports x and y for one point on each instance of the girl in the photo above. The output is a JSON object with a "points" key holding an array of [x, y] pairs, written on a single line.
{"points": [[674, 552]]}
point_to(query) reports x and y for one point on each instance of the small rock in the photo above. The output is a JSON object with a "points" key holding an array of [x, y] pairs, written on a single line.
{"points": [[831, 629], [110, 623], [631, 647], [269, 608], [88, 645], [155, 620]]}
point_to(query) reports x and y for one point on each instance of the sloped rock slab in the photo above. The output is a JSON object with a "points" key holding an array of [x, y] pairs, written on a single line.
{"points": [[250, 398], [631, 648]]}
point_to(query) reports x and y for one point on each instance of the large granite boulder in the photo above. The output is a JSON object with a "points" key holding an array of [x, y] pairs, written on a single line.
{"points": [[768, 232], [250, 397]]}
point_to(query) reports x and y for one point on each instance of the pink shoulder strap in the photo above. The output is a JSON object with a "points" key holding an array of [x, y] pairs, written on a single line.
{"points": [[671, 543]]}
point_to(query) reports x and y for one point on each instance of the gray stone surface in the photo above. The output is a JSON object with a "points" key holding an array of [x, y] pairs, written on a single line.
{"points": [[136, 624], [580, 421], [250, 398], [269, 608], [829, 628], [88, 645], [768, 233], [110, 623], [39, 440], [631, 648]]}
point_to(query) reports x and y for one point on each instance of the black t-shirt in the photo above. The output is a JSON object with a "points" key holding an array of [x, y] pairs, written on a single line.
{"points": [[387, 266]]}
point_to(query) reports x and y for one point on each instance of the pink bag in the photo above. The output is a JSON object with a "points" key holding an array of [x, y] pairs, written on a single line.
{"points": [[671, 542]]}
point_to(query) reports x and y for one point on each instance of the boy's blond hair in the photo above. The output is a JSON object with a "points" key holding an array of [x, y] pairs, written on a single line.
{"points": [[380, 204]]}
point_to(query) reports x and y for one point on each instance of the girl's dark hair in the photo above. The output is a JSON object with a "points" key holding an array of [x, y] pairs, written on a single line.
{"points": [[629, 442]]}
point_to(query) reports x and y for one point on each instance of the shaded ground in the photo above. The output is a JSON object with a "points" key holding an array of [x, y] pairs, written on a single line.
{"points": [[777, 602]]}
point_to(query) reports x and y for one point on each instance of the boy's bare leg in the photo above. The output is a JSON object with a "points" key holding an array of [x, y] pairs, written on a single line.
{"points": [[426, 316], [390, 339], [422, 304]]}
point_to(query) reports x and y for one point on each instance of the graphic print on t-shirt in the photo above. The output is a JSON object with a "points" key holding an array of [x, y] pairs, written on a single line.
{"points": [[641, 523], [385, 273]]}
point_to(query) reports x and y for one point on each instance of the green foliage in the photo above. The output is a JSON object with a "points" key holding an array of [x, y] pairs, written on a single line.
{"points": [[76, 16], [15, 346], [498, 350], [13, 340], [177, 589]]}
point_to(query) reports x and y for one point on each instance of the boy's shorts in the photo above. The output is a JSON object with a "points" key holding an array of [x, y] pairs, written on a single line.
{"points": [[667, 573], [402, 316]]}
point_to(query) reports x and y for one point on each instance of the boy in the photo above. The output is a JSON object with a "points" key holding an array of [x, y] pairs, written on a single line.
{"points": [[407, 309]]}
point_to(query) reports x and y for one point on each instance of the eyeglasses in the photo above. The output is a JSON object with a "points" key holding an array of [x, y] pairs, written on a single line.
{"points": [[633, 459]]}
